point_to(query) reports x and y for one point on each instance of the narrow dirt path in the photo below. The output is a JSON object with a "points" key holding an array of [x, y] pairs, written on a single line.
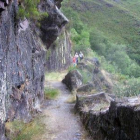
{"points": [[60, 120]]}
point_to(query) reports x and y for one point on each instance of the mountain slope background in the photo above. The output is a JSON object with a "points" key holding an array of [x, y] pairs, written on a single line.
{"points": [[110, 27], [110, 31]]}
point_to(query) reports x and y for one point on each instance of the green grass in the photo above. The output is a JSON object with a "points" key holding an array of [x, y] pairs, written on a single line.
{"points": [[118, 21], [127, 88], [51, 93], [55, 76], [18, 130], [71, 68], [28, 9]]}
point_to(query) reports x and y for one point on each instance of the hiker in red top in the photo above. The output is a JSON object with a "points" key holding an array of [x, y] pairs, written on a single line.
{"points": [[74, 61]]}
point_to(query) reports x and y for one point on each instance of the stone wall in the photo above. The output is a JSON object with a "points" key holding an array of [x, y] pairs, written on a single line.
{"points": [[59, 54], [110, 119], [23, 59]]}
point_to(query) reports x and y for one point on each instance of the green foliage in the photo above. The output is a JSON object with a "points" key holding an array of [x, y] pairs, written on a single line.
{"points": [[71, 68], [131, 87], [86, 76], [18, 130], [116, 21], [21, 13], [28, 9], [99, 42], [115, 54], [55, 76], [79, 31], [51, 93]]}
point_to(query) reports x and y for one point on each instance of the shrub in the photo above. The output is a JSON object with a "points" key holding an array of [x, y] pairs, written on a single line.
{"points": [[51, 93], [18, 130], [86, 76], [128, 88], [28, 9], [71, 68]]}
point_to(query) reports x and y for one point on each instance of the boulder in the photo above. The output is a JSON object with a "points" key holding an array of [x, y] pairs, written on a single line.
{"points": [[86, 88], [92, 102], [73, 80], [23, 58], [108, 119]]}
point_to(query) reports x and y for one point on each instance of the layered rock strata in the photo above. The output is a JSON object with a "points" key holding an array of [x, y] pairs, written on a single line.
{"points": [[59, 54], [22, 61], [109, 119]]}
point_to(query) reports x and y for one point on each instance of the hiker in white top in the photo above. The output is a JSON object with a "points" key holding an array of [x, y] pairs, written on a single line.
{"points": [[76, 56], [81, 55]]}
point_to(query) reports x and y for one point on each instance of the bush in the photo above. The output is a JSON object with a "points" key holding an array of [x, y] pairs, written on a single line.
{"points": [[50, 93], [18, 130], [71, 68], [28, 9], [128, 88], [98, 42], [114, 54], [86, 76]]}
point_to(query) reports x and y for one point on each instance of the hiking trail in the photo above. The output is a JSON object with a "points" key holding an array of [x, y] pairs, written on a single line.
{"points": [[60, 120]]}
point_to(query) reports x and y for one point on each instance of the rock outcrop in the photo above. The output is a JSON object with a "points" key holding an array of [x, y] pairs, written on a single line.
{"points": [[92, 77], [73, 80], [86, 88], [52, 25], [59, 54], [23, 59], [110, 119]]}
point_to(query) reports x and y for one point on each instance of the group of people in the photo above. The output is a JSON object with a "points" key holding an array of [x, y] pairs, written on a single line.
{"points": [[76, 58]]}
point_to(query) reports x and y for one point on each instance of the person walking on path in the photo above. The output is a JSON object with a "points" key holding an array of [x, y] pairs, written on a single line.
{"points": [[76, 56], [81, 55], [74, 61]]}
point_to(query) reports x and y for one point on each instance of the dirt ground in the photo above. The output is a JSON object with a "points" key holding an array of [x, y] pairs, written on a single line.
{"points": [[62, 123]]}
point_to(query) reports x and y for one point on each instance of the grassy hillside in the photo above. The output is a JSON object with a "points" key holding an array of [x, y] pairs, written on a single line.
{"points": [[118, 20]]}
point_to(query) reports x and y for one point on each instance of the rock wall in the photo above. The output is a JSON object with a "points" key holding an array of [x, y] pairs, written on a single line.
{"points": [[22, 60], [59, 54], [109, 119]]}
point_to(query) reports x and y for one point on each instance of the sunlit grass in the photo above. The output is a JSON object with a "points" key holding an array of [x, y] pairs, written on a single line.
{"points": [[51, 93], [18, 130], [72, 98], [55, 76]]}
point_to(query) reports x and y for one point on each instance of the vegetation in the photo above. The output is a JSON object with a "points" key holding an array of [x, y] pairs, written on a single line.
{"points": [[131, 87], [118, 21], [79, 32], [51, 93], [18, 130], [28, 9], [55, 76], [111, 29], [115, 54], [71, 68], [86, 75]]}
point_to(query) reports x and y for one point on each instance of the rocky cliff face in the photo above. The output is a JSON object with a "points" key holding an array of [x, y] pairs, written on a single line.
{"points": [[110, 119], [22, 60], [59, 54]]}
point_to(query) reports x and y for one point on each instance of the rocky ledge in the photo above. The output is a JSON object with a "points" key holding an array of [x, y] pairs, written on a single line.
{"points": [[108, 118], [22, 60]]}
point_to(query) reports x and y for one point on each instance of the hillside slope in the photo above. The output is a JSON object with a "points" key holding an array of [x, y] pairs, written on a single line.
{"points": [[118, 20]]}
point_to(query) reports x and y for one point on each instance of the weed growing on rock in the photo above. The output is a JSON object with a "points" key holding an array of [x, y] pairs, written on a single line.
{"points": [[28, 9], [18, 130], [71, 68], [51, 93]]}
